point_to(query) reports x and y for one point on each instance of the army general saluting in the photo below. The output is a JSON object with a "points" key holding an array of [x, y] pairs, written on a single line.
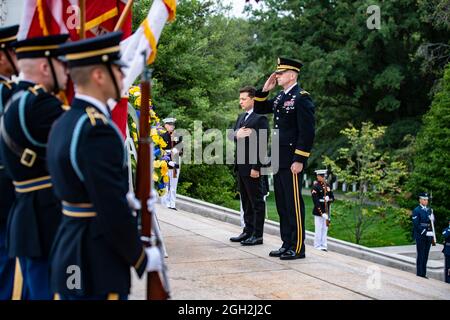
{"points": [[98, 238], [293, 112]]}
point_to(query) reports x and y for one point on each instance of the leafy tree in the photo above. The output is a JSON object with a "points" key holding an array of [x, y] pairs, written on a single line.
{"points": [[377, 176], [353, 73], [432, 161]]}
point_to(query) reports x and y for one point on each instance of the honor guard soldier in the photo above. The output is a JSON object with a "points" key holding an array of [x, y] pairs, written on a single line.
{"points": [[172, 141], [322, 196], [25, 126], [423, 234], [8, 68], [446, 251], [293, 112], [97, 241]]}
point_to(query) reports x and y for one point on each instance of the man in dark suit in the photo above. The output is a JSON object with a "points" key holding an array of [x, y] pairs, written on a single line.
{"points": [[247, 132]]}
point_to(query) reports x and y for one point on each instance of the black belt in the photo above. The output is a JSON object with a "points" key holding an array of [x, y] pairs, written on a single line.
{"points": [[27, 156]]}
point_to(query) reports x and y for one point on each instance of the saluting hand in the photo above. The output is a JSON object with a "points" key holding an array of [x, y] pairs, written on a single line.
{"points": [[297, 167], [270, 83]]}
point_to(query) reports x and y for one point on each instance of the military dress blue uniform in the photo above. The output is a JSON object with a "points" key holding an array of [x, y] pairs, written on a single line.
{"points": [[294, 123], [87, 161], [7, 88], [446, 252], [35, 214], [422, 225]]}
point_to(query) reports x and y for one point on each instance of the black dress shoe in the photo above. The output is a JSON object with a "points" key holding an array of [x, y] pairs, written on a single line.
{"points": [[241, 237], [277, 253], [291, 255], [252, 241]]}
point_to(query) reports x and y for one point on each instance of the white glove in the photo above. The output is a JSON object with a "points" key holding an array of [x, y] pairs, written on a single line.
{"points": [[327, 198], [175, 150], [430, 234], [153, 259], [432, 217], [133, 202], [152, 201], [325, 216], [171, 163]]}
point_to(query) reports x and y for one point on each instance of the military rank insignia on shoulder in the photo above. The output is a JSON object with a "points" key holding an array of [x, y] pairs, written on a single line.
{"points": [[304, 93], [94, 115]]}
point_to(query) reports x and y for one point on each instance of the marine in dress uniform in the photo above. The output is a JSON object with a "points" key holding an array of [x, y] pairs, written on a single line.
{"points": [[36, 213], [98, 239], [322, 196], [293, 112], [7, 87], [172, 141], [422, 232], [446, 252]]}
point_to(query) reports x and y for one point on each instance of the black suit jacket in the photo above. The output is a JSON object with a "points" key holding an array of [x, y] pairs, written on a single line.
{"points": [[256, 122]]}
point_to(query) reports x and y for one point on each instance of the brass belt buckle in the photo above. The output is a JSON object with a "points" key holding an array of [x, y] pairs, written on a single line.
{"points": [[28, 157]]}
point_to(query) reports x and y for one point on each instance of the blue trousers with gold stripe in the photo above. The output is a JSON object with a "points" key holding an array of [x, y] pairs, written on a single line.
{"points": [[36, 278], [291, 209], [7, 267]]}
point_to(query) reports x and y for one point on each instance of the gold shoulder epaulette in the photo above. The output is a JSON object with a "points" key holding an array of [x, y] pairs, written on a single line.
{"points": [[7, 84], [36, 88], [304, 93], [94, 115]]}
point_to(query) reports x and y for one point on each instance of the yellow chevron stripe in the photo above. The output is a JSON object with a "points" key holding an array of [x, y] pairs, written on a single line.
{"points": [[302, 153], [79, 214], [261, 99], [21, 183], [26, 190]]}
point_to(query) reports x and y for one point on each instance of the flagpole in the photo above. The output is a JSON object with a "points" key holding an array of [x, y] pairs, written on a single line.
{"points": [[82, 19], [123, 16]]}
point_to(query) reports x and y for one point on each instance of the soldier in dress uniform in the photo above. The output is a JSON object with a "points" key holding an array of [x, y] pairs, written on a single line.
{"points": [[423, 234], [172, 140], [28, 117], [293, 112], [322, 196], [446, 252], [8, 68], [98, 240]]}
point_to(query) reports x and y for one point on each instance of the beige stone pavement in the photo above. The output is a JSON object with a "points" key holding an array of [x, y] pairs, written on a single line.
{"points": [[203, 264]]}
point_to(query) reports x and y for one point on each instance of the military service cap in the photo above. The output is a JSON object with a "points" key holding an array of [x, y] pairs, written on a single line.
{"points": [[288, 64], [8, 35], [423, 195], [40, 47], [103, 49], [321, 172], [169, 120]]}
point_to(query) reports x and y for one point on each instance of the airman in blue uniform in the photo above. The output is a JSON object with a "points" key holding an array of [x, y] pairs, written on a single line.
{"points": [[25, 125], [446, 252], [293, 112], [98, 240], [423, 234]]}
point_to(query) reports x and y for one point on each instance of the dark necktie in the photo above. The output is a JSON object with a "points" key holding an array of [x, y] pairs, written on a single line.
{"points": [[243, 120]]}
